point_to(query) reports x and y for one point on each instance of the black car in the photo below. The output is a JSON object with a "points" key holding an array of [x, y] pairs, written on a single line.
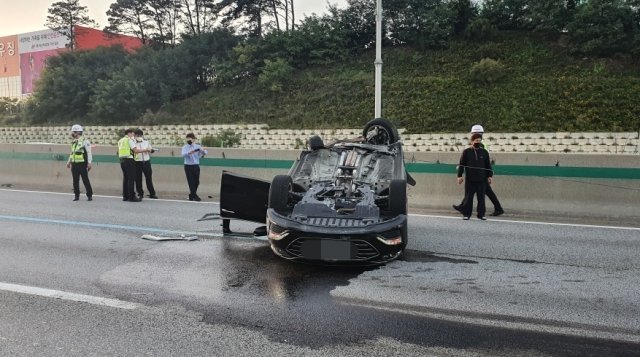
{"points": [[340, 203]]}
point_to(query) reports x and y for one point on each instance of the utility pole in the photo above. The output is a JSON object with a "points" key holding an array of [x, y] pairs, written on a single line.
{"points": [[378, 61]]}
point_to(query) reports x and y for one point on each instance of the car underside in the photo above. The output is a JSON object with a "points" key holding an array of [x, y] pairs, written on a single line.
{"points": [[343, 203]]}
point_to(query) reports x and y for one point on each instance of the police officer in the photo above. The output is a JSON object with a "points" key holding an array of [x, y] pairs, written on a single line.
{"points": [[80, 162], [498, 210], [143, 165], [127, 150]]}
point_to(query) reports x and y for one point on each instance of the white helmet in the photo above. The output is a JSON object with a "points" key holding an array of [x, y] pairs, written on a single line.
{"points": [[76, 127], [477, 129]]}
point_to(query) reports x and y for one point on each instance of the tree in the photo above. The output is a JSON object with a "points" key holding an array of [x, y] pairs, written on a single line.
{"points": [[67, 85], [251, 12], [130, 17], [507, 14], [198, 16], [551, 15], [463, 11], [602, 28], [420, 23], [65, 15]]}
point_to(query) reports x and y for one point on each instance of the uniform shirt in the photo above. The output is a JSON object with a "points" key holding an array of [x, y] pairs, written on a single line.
{"points": [[87, 147], [193, 159], [476, 163], [143, 145]]}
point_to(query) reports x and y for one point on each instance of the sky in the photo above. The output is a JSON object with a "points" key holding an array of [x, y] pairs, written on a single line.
{"points": [[20, 16]]}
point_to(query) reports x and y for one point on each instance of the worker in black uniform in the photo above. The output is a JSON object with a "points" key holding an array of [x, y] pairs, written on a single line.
{"points": [[476, 165], [497, 207]]}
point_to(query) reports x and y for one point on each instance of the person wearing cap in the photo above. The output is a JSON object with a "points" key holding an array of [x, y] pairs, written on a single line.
{"points": [[80, 162], [498, 210], [476, 165], [127, 150], [143, 165], [192, 152]]}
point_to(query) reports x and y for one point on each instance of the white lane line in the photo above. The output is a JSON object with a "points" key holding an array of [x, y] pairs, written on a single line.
{"points": [[105, 196], [536, 222], [63, 295]]}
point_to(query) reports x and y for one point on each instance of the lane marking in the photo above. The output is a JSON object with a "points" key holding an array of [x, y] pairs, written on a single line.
{"points": [[163, 231], [410, 215], [106, 196], [63, 295], [535, 222]]}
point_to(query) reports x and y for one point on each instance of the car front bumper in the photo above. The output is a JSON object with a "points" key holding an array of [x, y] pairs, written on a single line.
{"points": [[336, 240]]}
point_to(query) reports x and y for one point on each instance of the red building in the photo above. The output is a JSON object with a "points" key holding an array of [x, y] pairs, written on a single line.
{"points": [[23, 56], [88, 39]]}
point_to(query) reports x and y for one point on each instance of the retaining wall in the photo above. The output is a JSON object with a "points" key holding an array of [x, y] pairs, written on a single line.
{"points": [[259, 136]]}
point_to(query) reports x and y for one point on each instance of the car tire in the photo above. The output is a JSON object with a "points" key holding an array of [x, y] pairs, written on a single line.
{"points": [[397, 197], [315, 143], [387, 132], [279, 192]]}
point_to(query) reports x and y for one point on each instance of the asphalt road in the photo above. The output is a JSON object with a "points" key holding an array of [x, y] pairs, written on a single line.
{"points": [[76, 279]]}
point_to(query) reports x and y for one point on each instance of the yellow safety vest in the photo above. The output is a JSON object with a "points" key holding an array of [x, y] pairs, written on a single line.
{"points": [[77, 150], [124, 149]]}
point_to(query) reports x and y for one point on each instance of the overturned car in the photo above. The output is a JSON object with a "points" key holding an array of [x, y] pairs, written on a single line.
{"points": [[340, 203]]}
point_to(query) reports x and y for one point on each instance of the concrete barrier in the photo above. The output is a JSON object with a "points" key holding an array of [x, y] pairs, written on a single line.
{"points": [[571, 185]]}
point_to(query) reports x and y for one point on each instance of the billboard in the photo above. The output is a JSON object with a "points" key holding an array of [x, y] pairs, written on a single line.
{"points": [[44, 40], [9, 59], [35, 48], [31, 66]]}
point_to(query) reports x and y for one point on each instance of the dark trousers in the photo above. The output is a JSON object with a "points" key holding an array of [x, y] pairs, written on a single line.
{"points": [[144, 167], [492, 197], [472, 188], [193, 179], [128, 167], [80, 170]]}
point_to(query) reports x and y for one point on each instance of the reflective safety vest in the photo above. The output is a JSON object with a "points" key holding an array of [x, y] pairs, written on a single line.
{"points": [[78, 151], [124, 149]]}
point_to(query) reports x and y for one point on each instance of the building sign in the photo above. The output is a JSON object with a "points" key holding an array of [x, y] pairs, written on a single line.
{"points": [[9, 59], [42, 41]]}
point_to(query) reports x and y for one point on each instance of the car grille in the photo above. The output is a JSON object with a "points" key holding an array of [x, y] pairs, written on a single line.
{"points": [[337, 222], [360, 250]]}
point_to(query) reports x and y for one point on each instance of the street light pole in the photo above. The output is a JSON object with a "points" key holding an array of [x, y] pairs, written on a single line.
{"points": [[378, 61]]}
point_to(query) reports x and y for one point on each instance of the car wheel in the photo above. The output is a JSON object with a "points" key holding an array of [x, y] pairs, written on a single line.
{"points": [[279, 192], [315, 143], [398, 197], [380, 132]]}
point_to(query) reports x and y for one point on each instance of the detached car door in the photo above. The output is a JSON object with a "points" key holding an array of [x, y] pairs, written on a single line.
{"points": [[243, 197]]}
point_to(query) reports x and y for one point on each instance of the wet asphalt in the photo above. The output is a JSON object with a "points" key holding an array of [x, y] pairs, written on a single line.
{"points": [[235, 280]]}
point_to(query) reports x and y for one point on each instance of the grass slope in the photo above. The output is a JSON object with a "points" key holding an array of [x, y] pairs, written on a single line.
{"points": [[543, 89]]}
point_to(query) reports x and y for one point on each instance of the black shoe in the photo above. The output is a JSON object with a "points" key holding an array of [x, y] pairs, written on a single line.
{"points": [[497, 213], [196, 198], [125, 199], [190, 198], [89, 198], [76, 198], [457, 208], [153, 196], [135, 199], [482, 218]]}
